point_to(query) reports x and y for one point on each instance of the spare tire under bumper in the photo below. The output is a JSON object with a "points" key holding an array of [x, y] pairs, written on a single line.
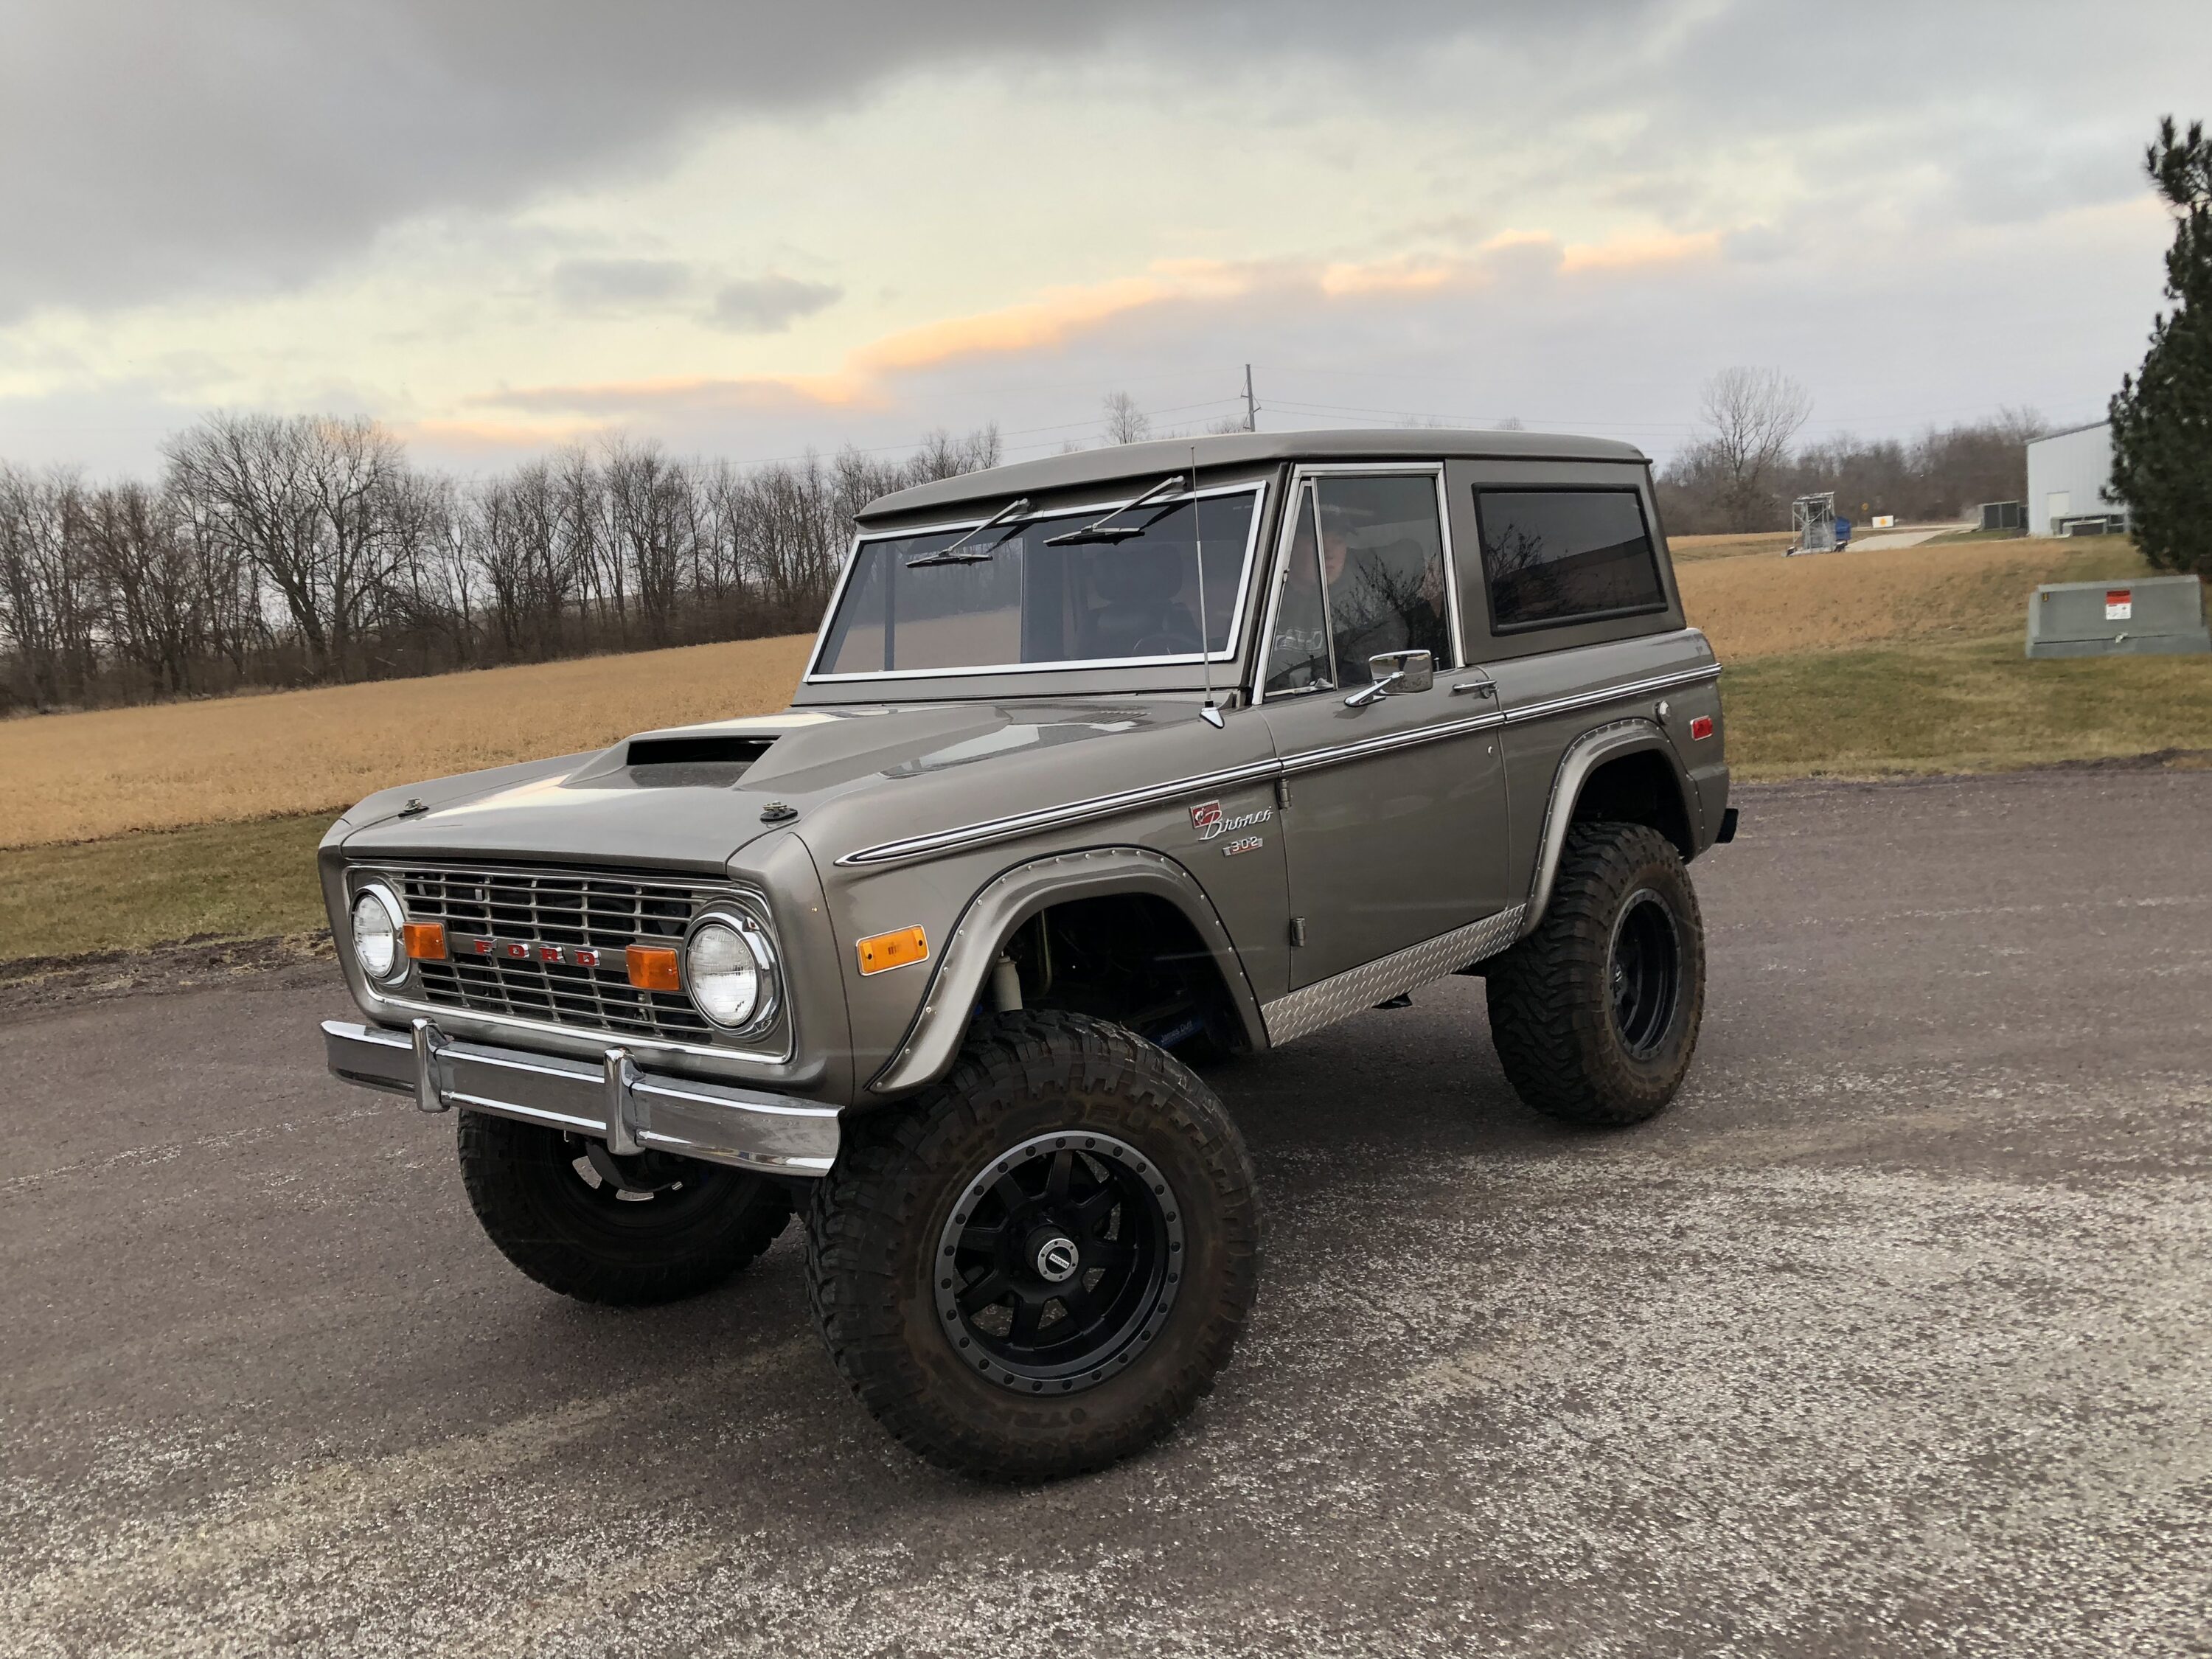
{"points": [[617, 1101]]}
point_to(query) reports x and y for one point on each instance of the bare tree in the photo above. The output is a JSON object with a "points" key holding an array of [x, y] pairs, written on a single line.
{"points": [[141, 556], [1751, 415], [276, 549], [48, 601], [1125, 422]]}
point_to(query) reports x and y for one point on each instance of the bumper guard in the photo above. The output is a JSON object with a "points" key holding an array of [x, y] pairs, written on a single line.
{"points": [[632, 1110]]}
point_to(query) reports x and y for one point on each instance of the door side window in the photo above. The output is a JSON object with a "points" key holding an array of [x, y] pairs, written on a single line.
{"points": [[1383, 567], [1297, 655]]}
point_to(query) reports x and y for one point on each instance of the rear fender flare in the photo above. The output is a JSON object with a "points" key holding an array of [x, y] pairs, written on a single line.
{"points": [[1582, 757], [1013, 897]]}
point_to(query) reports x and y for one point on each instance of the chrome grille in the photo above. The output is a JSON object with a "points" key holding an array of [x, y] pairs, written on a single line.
{"points": [[576, 908]]}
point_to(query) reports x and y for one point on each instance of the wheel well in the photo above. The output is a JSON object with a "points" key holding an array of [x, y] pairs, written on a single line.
{"points": [[1133, 958], [1639, 788]]}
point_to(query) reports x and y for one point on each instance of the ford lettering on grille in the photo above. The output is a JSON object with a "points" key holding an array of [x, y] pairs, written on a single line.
{"points": [[522, 950]]}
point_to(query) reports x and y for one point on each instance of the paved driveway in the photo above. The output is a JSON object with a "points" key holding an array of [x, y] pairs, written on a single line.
{"points": [[1893, 1338]]}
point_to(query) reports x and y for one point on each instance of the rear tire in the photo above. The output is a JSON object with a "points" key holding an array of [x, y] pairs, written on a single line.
{"points": [[1037, 1265], [1595, 1013], [625, 1231]]}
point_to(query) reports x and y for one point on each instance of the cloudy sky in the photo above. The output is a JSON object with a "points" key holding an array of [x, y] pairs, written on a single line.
{"points": [[748, 229]]}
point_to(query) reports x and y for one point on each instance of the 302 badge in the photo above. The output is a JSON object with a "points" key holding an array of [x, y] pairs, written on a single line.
{"points": [[1209, 820]]}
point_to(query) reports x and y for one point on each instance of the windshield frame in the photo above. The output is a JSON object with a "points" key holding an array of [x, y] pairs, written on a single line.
{"points": [[1256, 488]]}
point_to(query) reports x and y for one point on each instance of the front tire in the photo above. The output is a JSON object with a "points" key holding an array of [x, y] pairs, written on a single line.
{"points": [[626, 1231], [1038, 1265], [1595, 1013]]}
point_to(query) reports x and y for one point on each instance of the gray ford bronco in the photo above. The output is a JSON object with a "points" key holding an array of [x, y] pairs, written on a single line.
{"points": [[1104, 767]]}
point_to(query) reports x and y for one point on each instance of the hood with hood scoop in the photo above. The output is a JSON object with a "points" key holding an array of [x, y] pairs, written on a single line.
{"points": [[692, 797]]}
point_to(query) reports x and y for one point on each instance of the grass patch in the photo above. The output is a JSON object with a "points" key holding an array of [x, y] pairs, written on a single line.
{"points": [[229, 880], [85, 777], [1975, 706], [1685, 550], [1766, 607]]}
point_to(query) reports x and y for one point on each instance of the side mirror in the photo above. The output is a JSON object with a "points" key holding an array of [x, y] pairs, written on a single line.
{"points": [[1396, 671]]}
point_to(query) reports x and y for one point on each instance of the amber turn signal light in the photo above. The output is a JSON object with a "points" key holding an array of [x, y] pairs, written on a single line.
{"points": [[426, 941], [653, 968], [894, 949]]}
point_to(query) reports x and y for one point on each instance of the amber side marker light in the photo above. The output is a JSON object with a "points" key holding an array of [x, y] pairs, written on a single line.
{"points": [[896, 949], [653, 968], [426, 941]]}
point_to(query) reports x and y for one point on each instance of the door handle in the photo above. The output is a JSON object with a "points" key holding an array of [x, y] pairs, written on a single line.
{"points": [[1481, 687]]}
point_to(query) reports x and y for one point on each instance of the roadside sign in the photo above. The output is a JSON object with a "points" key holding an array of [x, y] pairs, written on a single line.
{"points": [[2119, 605]]}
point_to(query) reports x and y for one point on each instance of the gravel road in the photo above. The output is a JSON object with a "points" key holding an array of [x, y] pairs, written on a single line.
{"points": [[1891, 1338]]}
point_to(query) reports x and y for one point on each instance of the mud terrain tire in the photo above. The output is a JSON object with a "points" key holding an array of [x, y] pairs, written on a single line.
{"points": [[1155, 1224], [1595, 1014], [680, 1228]]}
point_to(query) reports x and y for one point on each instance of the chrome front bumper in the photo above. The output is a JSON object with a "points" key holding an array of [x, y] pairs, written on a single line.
{"points": [[631, 1110]]}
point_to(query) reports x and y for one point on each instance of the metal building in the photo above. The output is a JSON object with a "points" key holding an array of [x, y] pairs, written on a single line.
{"points": [[2067, 474]]}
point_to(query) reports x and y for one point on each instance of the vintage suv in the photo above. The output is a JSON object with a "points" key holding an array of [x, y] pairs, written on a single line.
{"points": [[1102, 766]]}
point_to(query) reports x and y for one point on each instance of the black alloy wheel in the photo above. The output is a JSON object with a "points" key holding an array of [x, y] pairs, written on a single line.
{"points": [[1058, 1262], [1647, 972]]}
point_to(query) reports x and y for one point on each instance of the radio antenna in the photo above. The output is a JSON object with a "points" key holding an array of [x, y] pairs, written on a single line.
{"points": [[1211, 711]]}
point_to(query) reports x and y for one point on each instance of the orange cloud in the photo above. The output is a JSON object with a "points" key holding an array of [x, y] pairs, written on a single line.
{"points": [[1058, 314], [497, 437], [1630, 252]]}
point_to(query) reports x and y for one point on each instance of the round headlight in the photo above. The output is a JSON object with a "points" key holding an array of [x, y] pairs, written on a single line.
{"points": [[376, 934], [725, 966]]}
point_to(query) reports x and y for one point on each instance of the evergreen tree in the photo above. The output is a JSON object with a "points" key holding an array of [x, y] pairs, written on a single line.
{"points": [[2162, 417]]}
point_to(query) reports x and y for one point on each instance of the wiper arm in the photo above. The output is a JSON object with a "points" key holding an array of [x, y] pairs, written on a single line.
{"points": [[953, 555], [1098, 530]]}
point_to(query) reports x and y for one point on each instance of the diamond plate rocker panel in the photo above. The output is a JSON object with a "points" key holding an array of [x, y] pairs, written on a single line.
{"points": [[1326, 1001]]}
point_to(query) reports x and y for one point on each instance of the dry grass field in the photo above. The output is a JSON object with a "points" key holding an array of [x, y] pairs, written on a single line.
{"points": [[84, 777], [1689, 549], [1751, 606]]}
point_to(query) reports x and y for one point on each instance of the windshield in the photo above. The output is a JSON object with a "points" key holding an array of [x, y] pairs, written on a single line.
{"points": [[1029, 606]]}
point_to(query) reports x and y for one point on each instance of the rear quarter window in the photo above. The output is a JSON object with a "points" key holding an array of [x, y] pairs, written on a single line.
{"points": [[1559, 555]]}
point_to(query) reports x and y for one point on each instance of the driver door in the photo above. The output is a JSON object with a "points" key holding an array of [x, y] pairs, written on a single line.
{"points": [[1395, 830]]}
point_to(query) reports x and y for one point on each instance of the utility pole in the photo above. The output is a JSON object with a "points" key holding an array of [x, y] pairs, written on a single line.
{"points": [[1251, 409]]}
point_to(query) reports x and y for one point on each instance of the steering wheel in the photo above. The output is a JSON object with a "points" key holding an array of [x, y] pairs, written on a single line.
{"points": [[1166, 642]]}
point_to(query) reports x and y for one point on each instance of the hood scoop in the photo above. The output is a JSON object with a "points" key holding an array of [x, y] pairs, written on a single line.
{"points": [[712, 761]]}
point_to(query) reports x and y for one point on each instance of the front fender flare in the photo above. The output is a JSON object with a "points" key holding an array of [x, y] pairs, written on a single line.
{"points": [[1010, 898]]}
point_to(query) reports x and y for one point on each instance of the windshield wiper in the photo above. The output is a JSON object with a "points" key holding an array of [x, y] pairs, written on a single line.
{"points": [[953, 555], [1098, 530]]}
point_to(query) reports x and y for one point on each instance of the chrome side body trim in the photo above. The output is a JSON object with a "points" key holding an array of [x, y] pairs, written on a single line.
{"points": [[1309, 760], [1053, 818], [1657, 683], [1096, 807], [1583, 756], [1328, 1000], [630, 1109], [1009, 899]]}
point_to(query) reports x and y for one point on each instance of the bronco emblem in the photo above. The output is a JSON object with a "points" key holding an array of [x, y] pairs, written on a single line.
{"points": [[1207, 818]]}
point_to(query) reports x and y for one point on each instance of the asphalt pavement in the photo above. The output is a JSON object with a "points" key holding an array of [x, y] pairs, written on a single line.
{"points": [[1893, 1337]]}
